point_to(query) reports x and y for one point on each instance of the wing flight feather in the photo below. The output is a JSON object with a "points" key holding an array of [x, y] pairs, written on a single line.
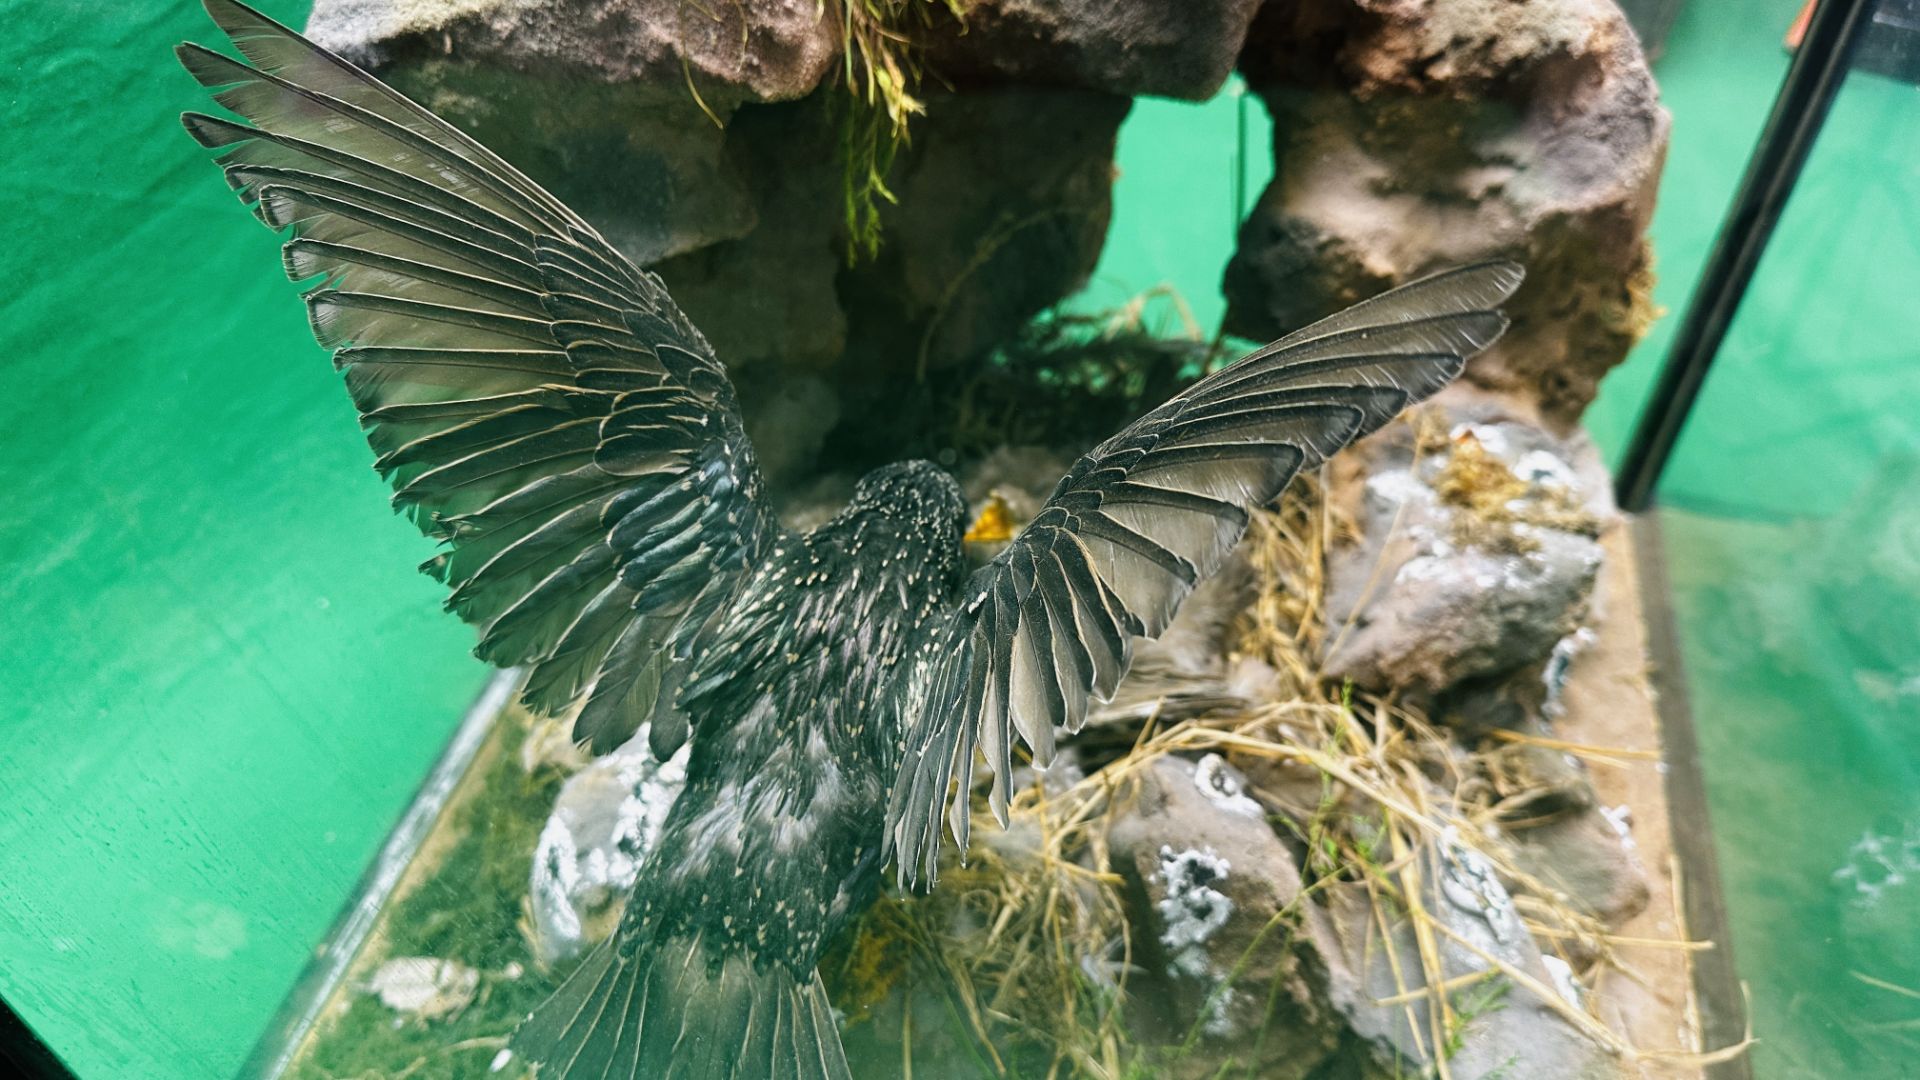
{"points": [[538, 403], [1136, 523]]}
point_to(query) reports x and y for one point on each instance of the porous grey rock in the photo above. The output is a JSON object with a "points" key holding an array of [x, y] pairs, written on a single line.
{"points": [[1410, 135], [1478, 553], [1506, 1031], [1587, 857], [1212, 891], [1181, 50], [591, 850]]}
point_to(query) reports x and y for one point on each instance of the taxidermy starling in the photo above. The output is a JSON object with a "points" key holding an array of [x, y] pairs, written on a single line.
{"points": [[545, 411]]}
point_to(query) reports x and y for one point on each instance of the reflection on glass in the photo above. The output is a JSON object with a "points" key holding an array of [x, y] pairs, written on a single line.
{"points": [[1790, 517]]}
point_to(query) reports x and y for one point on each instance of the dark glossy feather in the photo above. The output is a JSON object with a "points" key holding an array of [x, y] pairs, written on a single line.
{"points": [[1139, 521], [518, 378], [541, 406], [676, 1011]]}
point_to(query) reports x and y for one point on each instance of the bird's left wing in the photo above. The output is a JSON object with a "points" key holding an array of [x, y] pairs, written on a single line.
{"points": [[1137, 522], [538, 403]]}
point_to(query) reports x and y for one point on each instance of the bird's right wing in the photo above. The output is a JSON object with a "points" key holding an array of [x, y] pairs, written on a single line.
{"points": [[539, 404], [1136, 523]]}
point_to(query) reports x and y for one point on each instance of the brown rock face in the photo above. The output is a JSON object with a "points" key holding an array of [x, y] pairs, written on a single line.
{"points": [[1179, 50], [648, 169], [769, 50], [1314, 981], [1004, 200], [702, 142], [1411, 135], [617, 106]]}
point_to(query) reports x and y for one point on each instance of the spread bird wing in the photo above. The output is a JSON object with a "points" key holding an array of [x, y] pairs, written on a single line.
{"points": [[1048, 625], [539, 404]]}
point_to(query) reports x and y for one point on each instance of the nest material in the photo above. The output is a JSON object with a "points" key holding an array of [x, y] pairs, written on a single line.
{"points": [[1030, 945], [1036, 925], [1495, 499]]}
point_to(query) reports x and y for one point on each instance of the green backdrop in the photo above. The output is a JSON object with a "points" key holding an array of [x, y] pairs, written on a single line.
{"points": [[1793, 527], [222, 679]]}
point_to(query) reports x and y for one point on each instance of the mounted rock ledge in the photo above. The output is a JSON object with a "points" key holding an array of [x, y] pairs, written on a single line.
{"points": [[1408, 136], [769, 50], [706, 147], [1478, 552], [1179, 50]]}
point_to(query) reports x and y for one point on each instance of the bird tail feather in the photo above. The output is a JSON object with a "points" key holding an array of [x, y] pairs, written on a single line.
{"points": [[676, 1011]]}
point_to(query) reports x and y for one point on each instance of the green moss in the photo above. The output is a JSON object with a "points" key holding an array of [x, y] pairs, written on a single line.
{"points": [[870, 961], [468, 906], [880, 72]]}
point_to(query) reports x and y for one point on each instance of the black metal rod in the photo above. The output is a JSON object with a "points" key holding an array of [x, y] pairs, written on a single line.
{"points": [[1813, 79]]}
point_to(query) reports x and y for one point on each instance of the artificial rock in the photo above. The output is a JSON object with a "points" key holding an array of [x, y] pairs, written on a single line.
{"points": [[1410, 135]]}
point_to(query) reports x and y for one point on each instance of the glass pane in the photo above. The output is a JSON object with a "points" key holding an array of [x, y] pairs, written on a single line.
{"points": [[1719, 72], [1791, 517], [223, 681]]}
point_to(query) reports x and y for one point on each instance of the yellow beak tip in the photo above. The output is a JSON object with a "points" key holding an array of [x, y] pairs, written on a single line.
{"points": [[994, 525]]}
